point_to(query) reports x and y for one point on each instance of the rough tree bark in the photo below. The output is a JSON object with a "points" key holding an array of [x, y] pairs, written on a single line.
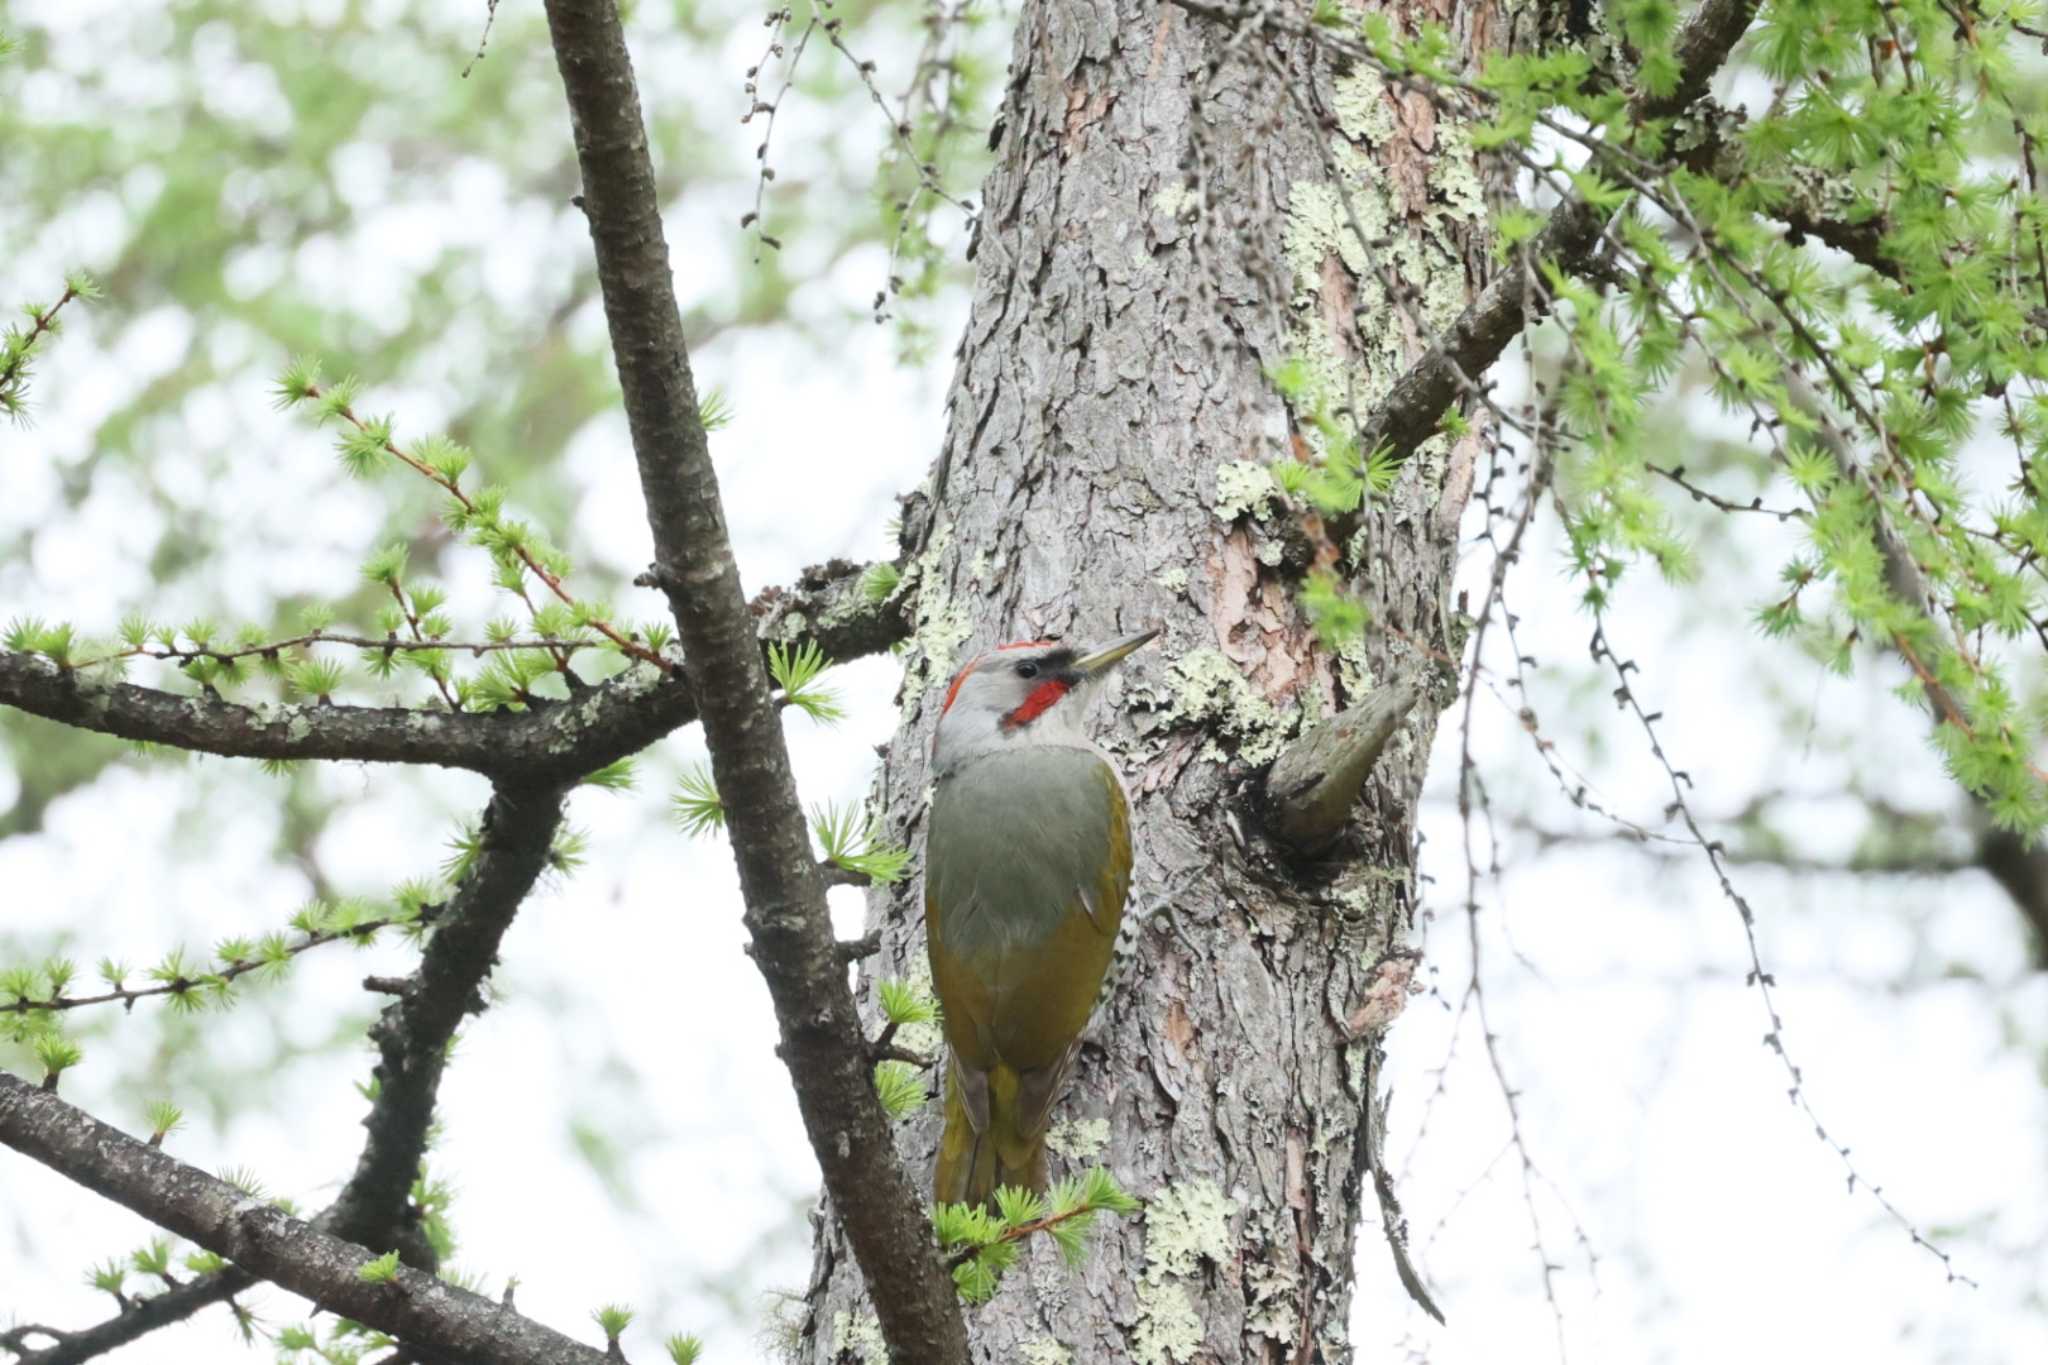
{"points": [[1170, 219]]}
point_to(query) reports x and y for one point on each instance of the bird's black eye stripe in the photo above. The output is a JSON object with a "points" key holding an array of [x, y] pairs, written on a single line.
{"points": [[1049, 664]]}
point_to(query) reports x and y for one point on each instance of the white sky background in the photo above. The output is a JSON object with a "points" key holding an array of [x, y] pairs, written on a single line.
{"points": [[1721, 1226]]}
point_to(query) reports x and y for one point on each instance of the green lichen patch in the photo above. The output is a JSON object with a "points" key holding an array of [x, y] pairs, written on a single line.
{"points": [[1364, 113], [1354, 670], [940, 624], [1173, 580], [922, 1037], [1184, 1224], [859, 1337], [1319, 225], [1244, 488], [1080, 1140], [1454, 174], [1044, 1351], [1173, 200], [1208, 690], [1168, 1328], [1276, 1297]]}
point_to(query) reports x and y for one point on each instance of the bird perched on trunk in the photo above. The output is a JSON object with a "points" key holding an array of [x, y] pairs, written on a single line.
{"points": [[1027, 858]]}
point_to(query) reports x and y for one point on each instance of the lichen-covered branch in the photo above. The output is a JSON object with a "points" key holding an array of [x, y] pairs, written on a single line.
{"points": [[822, 1041], [848, 610], [263, 1240]]}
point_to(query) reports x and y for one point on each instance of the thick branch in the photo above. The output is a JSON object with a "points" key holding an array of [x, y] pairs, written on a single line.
{"points": [[829, 604], [1409, 414], [557, 741], [1312, 786], [822, 1042], [263, 1240], [624, 715]]}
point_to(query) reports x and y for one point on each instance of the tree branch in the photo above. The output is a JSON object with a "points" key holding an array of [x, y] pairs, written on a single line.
{"points": [[822, 1041], [139, 1318], [1312, 787], [625, 714], [1409, 413], [413, 1032], [559, 741], [828, 604], [2020, 868], [412, 1037], [263, 1240]]}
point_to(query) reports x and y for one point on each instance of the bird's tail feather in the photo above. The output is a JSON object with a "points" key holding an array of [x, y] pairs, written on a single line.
{"points": [[973, 1163]]}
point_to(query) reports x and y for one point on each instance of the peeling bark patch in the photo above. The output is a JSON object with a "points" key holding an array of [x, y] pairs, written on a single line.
{"points": [[1082, 114], [1385, 996], [1166, 14], [1180, 1030]]}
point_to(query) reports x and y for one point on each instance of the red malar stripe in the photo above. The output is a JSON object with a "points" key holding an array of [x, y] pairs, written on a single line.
{"points": [[1038, 703]]}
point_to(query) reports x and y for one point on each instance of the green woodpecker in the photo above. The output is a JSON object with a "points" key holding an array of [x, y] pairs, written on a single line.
{"points": [[1027, 858]]}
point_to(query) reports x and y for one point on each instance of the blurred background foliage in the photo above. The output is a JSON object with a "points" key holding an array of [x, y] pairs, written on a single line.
{"points": [[357, 182]]}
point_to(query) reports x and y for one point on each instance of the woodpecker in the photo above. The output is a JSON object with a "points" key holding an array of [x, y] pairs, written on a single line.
{"points": [[1027, 859]]}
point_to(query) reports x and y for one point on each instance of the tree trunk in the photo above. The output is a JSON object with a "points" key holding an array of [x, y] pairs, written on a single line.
{"points": [[1169, 221]]}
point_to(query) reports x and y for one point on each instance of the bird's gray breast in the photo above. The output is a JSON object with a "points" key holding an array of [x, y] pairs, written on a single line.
{"points": [[1014, 839]]}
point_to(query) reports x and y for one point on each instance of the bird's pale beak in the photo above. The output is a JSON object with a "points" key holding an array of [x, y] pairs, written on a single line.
{"points": [[1109, 656]]}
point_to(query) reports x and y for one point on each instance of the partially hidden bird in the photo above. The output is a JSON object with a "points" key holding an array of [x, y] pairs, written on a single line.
{"points": [[1027, 861]]}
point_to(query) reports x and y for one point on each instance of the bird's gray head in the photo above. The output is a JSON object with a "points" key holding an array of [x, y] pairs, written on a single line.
{"points": [[1033, 691]]}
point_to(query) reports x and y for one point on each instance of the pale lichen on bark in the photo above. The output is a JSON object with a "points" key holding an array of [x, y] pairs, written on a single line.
{"points": [[1396, 217]]}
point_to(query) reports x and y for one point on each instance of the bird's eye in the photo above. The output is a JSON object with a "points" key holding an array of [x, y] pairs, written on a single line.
{"points": [[1027, 670]]}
